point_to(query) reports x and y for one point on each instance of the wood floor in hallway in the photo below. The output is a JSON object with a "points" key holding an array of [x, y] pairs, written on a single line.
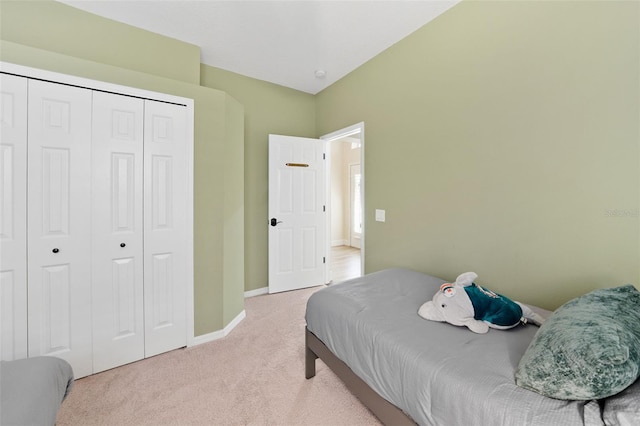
{"points": [[345, 263]]}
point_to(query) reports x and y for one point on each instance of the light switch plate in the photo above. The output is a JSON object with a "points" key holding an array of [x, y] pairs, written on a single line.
{"points": [[380, 215]]}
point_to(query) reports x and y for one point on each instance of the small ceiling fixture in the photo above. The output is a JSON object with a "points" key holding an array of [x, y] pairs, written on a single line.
{"points": [[320, 74]]}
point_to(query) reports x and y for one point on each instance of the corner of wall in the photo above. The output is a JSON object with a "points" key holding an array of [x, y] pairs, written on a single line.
{"points": [[234, 250]]}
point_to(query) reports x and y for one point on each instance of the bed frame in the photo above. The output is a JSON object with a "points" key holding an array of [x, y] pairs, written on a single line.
{"points": [[386, 412]]}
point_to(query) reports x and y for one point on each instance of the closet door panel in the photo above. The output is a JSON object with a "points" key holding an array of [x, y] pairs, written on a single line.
{"points": [[59, 227], [118, 319], [13, 217], [165, 216]]}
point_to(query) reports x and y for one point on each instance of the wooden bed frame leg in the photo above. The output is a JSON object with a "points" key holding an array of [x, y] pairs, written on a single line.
{"points": [[309, 359]]}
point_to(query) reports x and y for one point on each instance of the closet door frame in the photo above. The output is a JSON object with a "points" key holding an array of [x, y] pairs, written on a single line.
{"points": [[22, 71]]}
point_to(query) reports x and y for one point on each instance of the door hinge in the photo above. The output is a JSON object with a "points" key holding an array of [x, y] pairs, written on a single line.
{"points": [[324, 259], [324, 208], [324, 156]]}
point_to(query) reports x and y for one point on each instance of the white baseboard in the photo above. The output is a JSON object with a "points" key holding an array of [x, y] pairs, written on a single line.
{"points": [[210, 337], [256, 292], [336, 243]]}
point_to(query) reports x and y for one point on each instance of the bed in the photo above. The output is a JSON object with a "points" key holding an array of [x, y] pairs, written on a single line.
{"points": [[408, 370], [32, 390]]}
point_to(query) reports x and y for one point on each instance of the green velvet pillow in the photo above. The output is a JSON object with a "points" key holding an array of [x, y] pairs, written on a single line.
{"points": [[588, 349]]}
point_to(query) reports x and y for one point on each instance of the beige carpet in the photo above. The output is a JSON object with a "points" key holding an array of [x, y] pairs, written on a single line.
{"points": [[254, 376]]}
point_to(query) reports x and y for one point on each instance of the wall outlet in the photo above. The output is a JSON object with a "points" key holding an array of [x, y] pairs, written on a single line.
{"points": [[380, 215]]}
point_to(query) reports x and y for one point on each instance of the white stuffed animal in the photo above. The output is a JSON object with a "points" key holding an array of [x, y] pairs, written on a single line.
{"points": [[465, 303]]}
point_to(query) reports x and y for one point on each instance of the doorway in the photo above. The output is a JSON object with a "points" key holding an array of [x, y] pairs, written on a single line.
{"points": [[345, 201]]}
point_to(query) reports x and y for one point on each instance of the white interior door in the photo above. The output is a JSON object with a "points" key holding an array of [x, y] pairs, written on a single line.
{"points": [[165, 219], [117, 141], [297, 257], [59, 226], [13, 219]]}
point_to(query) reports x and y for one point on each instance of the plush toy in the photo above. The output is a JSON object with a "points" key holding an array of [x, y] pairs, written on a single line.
{"points": [[465, 303]]}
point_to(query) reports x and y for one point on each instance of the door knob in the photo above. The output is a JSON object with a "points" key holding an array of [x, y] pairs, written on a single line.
{"points": [[275, 221], [55, 250], [122, 244]]}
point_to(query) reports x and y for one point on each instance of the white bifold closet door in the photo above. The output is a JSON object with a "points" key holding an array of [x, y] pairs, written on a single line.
{"points": [[117, 209], [165, 200], [13, 217], [139, 264], [59, 223], [94, 191]]}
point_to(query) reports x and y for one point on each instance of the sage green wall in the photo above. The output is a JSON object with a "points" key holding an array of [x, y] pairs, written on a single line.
{"points": [[218, 167], [503, 138], [233, 300], [268, 108]]}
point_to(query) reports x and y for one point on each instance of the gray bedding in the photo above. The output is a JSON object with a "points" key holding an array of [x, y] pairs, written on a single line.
{"points": [[31, 390], [438, 374]]}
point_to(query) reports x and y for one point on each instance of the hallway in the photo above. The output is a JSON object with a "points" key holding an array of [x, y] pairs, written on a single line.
{"points": [[345, 263]]}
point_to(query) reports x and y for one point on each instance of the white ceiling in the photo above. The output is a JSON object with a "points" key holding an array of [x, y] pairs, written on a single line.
{"points": [[284, 42]]}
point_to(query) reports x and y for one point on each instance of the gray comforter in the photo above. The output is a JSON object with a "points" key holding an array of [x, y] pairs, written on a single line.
{"points": [[437, 373], [31, 390]]}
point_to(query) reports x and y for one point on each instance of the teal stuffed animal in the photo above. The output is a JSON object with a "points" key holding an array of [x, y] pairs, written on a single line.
{"points": [[465, 303]]}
